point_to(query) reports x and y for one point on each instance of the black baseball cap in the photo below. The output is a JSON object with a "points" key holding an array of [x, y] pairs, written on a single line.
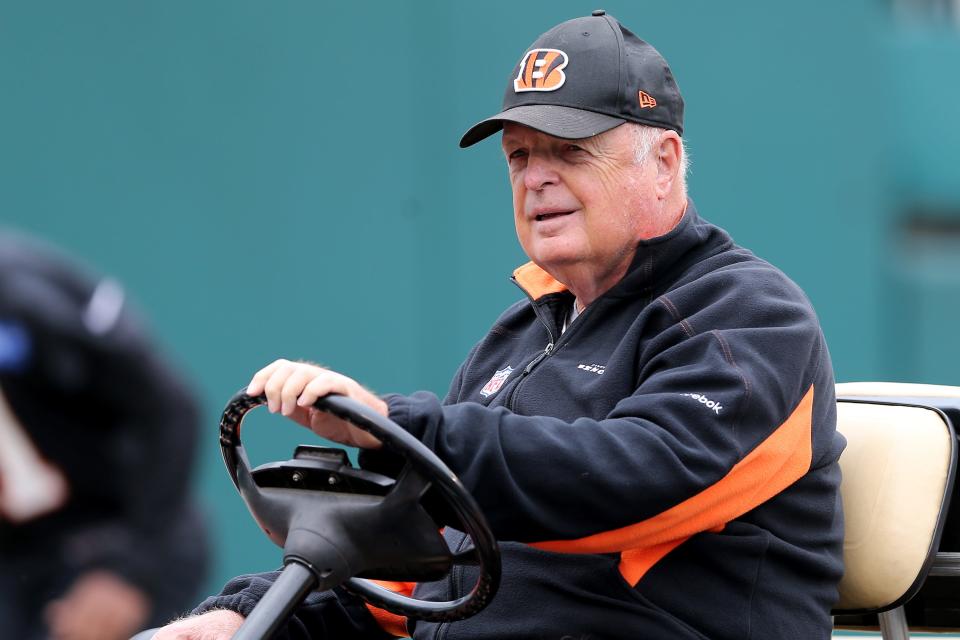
{"points": [[583, 77]]}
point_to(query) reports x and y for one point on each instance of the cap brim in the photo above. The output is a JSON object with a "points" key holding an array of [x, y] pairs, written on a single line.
{"points": [[554, 120]]}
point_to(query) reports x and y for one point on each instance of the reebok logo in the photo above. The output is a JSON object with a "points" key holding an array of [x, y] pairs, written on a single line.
{"points": [[702, 399]]}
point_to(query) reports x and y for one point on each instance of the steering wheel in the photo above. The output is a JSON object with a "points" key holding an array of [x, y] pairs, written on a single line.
{"points": [[339, 524]]}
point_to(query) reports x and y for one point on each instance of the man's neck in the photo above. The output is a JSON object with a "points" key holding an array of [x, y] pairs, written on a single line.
{"points": [[587, 285]]}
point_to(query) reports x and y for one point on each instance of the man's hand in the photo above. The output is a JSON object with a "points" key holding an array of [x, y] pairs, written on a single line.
{"points": [[292, 388], [99, 606], [212, 625]]}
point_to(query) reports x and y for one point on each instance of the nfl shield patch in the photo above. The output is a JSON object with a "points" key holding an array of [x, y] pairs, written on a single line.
{"points": [[496, 382]]}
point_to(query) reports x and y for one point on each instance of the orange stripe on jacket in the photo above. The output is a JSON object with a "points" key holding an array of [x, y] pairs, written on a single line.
{"points": [[776, 463], [537, 282], [392, 623]]}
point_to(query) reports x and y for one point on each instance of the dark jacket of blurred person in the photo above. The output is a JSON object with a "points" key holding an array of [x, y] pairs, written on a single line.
{"points": [[98, 536]]}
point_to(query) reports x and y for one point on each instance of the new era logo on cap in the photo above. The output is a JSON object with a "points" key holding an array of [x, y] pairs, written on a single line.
{"points": [[646, 100], [541, 70]]}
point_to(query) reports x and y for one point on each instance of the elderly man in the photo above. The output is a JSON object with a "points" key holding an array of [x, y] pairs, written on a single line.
{"points": [[651, 431]]}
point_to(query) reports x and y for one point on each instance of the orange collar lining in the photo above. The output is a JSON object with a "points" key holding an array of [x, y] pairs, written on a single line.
{"points": [[537, 282]]}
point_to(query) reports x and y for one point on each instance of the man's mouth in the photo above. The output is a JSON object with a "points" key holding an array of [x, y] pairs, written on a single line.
{"points": [[540, 217]]}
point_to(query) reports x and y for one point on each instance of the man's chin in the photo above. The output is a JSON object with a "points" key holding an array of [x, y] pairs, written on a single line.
{"points": [[558, 263]]}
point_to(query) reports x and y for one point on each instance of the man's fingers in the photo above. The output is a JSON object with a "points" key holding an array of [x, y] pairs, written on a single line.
{"points": [[273, 387], [294, 386], [320, 386], [256, 385], [282, 382]]}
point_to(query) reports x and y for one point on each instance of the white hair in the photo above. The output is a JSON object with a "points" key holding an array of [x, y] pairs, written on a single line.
{"points": [[644, 140]]}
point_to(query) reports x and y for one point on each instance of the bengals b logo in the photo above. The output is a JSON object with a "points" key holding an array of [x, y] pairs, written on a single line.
{"points": [[541, 70]]}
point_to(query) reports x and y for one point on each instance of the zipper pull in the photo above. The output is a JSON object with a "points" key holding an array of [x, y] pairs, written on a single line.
{"points": [[537, 360]]}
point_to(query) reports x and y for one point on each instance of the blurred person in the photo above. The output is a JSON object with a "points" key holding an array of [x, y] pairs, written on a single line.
{"points": [[98, 536]]}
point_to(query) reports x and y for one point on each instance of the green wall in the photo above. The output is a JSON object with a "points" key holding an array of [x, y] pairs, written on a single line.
{"points": [[282, 179]]}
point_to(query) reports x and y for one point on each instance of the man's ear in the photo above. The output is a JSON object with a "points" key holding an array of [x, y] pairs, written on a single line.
{"points": [[668, 162]]}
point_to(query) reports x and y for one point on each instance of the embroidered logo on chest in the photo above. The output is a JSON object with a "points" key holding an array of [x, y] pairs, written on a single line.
{"points": [[593, 368], [496, 382]]}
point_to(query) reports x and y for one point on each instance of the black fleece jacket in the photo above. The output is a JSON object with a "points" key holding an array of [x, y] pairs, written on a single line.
{"points": [[665, 468]]}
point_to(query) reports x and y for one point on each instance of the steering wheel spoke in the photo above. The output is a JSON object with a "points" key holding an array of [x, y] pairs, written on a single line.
{"points": [[410, 484]]}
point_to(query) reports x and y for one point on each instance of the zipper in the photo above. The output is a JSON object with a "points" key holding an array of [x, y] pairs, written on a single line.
{"points": [[543, 354], [526, 371], [540, 356], [549, 349]]}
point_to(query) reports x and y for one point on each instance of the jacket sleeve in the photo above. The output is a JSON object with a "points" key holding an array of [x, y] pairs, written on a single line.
{"points": [[662, 465]]}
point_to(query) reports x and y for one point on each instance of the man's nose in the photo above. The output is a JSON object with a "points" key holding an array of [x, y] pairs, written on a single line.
{"points": [[539, 172]]}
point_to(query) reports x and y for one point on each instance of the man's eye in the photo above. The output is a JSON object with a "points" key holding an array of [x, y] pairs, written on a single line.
{"points": [[518, 153], [573, 147]]}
